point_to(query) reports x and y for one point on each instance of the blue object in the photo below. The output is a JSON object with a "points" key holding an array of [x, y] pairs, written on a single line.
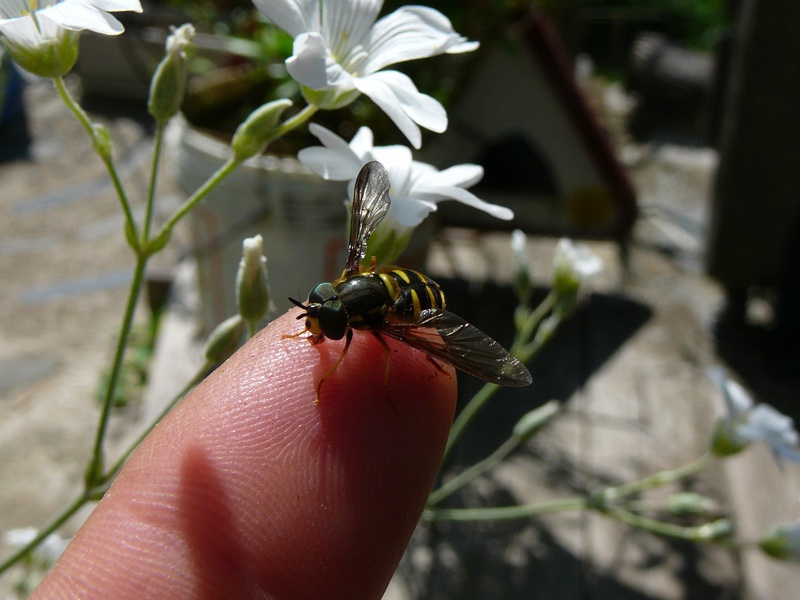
{"points": [[11, 106]]}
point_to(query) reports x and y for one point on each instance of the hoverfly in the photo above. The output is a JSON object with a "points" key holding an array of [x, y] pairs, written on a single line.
{"points": [[401, 303]]}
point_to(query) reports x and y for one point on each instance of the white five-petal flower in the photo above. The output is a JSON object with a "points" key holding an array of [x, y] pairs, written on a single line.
{"points": [[417, 187], [41, 35], [749, 422], [340, 50]]}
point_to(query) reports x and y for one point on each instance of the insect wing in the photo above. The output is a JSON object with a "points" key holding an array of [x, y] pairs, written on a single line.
{"points": [[450, 338], [370, 205]]}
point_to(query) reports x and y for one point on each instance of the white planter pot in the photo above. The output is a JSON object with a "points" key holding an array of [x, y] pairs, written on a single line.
{"points": [[302, 218]]}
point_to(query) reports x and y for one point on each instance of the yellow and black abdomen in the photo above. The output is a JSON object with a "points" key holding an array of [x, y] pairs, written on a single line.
{"points": [[369, 297], [411, 292]]}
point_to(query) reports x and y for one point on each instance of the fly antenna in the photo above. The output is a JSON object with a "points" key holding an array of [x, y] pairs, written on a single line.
{"points": [[299, 304]]}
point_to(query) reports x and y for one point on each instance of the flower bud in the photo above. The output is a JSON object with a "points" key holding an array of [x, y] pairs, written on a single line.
{"points": [[716, 530], [573, 265], [521, 268], [533, 421], [782, 542], [168, 85], [725, 441], [224, 340], [690, 503], [252, 290], [101, 140], [252, 135]]}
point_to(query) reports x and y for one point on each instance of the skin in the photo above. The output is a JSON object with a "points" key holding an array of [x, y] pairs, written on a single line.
{"points": [[250, 490]]}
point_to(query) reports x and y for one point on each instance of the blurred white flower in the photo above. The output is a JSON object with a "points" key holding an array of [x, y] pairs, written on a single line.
{"points": [[42, 36], [748, 422], [573, 266], [340, 50], [49, 550], [521, 274]]}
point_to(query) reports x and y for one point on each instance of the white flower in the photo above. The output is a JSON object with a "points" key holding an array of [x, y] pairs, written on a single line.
{"points": [[573, 265], [748, 422], [49, 550], [417, 187], [42, 36], [521, 267], [340, 50]]}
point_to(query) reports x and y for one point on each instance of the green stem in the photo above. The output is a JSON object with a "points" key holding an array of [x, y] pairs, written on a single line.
{"points": [[293, 122], [465, 417], [84, 120], [523, 348], [524, 511], [198, 195], [474, 471], [95, 470], [151, 188], [692, 533], [524, 336], [57, 522], [221, 173], [656, 479]]}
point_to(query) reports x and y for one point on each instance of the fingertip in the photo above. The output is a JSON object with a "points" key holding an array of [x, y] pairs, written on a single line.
{"points": [[250, 488]]}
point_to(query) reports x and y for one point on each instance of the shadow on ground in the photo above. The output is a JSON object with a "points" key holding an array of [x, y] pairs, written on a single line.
{"points": [[580, 347], [526, 559]]}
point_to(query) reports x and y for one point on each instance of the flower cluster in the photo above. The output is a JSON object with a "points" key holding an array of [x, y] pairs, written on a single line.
{"points": [[340, 51]]}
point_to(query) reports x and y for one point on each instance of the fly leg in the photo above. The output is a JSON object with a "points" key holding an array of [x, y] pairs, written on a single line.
{"points": [[436, 364], [379, 337], [348, 339]]}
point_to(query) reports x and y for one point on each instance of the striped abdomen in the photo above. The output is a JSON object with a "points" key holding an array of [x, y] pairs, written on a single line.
{"points": [[411, 292]]}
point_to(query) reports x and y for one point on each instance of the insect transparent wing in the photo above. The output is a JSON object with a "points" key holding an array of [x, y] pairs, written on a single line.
{"points": [[449, 337], [370, 205]]}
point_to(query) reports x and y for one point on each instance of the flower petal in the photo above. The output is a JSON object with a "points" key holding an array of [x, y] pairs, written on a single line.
{"points": [[115, 5], [78, 16], [347, 25], [468, 198], [383, 95], [410, 33], [410, 212], [362, 142], [398, 97], [328, 164], [335, 161], [310, 65], [424, 110], [461, 175], [330, 139], [293, 16], [23, 31], [736, 398]]}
